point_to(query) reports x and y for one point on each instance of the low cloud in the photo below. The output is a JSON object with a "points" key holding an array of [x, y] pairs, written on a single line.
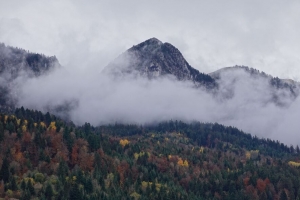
{"points": [[242, 101]]}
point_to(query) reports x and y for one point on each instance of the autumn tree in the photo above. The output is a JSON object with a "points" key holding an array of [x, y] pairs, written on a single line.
{"points": [[122, 169], [260, 185]]}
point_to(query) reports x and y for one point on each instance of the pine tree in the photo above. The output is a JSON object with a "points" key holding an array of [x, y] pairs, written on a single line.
{"points": [[13, 184], [1, 131], [4, 172], [75, 193], [48, 191], [62, 171], [283, 195], [88, 186], [30, 187], [26, 195], [23, 185]]}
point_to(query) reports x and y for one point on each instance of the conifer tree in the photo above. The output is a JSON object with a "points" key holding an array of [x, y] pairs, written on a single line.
{"points": [[4, 172], [1, 131], [48, 191], [30, 187]]}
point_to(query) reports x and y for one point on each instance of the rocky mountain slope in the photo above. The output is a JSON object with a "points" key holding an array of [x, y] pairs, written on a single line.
{"points": [[153, 58], [15, 62]]}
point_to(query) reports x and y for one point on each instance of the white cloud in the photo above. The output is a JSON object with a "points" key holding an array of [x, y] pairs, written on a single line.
{"points": [[100, 99]]}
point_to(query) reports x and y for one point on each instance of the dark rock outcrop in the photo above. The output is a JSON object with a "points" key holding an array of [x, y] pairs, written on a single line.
{"points": [[153, 58]]}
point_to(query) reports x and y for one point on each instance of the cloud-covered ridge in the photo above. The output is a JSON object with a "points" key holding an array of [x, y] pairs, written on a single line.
{"points": [[242, 100]]}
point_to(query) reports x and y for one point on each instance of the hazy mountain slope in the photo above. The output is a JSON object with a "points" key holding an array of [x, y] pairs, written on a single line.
{"points": [[152, 58], [280, 91], [274, 81], [15, 62]]}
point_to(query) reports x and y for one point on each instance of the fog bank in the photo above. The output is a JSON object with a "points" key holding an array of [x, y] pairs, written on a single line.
{"points": [[243, 101]]}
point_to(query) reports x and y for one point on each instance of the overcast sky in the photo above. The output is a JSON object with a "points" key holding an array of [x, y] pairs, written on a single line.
{"points": [[210, 34]]}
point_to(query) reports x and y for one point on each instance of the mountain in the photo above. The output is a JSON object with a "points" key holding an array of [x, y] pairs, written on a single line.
{"points": [[15, 62], [153, 58], [280, 90], [274, 81]]}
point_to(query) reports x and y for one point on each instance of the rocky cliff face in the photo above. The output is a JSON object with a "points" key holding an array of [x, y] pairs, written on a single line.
{"points": [[153, 58], [15, 62]]}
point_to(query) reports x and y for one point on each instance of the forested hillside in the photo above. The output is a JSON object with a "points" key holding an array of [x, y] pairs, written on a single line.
{"points": [[43, 157]]}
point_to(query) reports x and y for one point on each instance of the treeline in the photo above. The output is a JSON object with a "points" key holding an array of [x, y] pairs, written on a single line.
{"points": [[43, 157], [207, 134]]}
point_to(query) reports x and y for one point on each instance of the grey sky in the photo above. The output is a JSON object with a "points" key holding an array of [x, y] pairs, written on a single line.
{"points": [[210, 34]]}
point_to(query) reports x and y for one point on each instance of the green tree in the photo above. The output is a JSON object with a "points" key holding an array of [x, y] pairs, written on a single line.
{"points": [[13, 184], [1, 131], [283, 195], [48, 191], [23, 185], [30, 187], [75, 193], [68, 138], [88, 186], [62, 171], [4, 172], [26, 195], [10, 127]]}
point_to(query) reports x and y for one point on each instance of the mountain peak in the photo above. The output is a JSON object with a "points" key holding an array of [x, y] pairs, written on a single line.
{"points": [[153, 58], [153, 40], [147, 46]]}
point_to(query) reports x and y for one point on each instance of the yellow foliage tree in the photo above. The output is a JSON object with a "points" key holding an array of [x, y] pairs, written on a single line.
{"points": [[52, 126], [182, 163], [145, 185], [294, 164], [24, 128], [248, 155], [5, 118], [201, 149], [43, 124], [135, 195], [185, 163], [136, 156], [124, 142]]}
